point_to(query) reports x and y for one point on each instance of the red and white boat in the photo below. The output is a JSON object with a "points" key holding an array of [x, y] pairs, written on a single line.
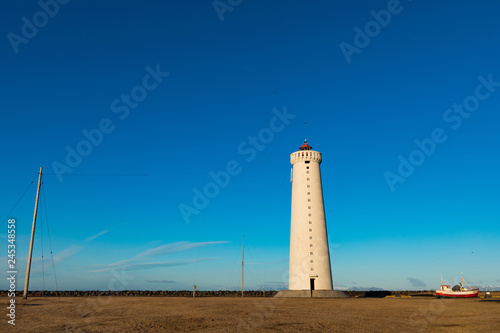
{"points": [[465, 292]]}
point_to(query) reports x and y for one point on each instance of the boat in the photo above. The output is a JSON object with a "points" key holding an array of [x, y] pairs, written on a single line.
{"points": [[461, 291]]}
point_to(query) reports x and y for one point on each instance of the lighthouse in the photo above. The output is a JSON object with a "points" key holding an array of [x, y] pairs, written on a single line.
{"points": [[309, 266]]}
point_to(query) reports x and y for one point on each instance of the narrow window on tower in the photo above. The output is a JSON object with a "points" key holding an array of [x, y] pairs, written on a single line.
{"points": [[308, 207], [312, 261], [312, 269], [307, 167], [310, 245], [308, 200], [310, 230], [310, 237], [308, 178], [308, 186], [310, 253], [308, 193], [310, 222], [307, 171], [309, 215]]}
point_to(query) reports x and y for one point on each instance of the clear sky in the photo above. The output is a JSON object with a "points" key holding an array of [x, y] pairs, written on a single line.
{"points": [[401, 98]]}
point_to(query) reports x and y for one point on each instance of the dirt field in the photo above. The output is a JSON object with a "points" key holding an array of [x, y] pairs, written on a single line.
{"points": [[228, 314]]}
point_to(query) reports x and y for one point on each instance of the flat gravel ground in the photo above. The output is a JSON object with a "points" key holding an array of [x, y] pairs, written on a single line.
{"points": [[252, 314]]}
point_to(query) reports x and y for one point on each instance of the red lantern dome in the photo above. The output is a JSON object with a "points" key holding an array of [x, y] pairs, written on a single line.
{"points": [[305, 146]]}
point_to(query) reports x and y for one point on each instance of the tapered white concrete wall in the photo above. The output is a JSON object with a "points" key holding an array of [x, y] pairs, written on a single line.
{"points": [[309, 253]]}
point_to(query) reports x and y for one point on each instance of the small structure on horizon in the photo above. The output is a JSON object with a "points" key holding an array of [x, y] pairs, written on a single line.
{"points": [[310, 273]]}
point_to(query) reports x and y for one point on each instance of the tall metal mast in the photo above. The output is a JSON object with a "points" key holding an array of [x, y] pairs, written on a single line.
{"points": [[242, 264], [27, 280]]}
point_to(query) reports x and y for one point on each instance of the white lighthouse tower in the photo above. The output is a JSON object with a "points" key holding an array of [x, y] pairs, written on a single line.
{"points": [[309, 268]]}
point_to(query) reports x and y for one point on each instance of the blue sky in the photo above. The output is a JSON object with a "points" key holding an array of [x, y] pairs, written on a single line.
{"points": [[402, 99]]}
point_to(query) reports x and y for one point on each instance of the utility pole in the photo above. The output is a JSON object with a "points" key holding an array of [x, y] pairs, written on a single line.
{"points": [[242, 264], [27, 280]]}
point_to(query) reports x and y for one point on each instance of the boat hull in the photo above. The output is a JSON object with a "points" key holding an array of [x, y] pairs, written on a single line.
{"points": [[457, 294]]}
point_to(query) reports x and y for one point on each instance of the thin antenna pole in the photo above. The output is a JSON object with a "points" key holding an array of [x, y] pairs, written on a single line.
{"points": [[242, 264], [27, 280]]}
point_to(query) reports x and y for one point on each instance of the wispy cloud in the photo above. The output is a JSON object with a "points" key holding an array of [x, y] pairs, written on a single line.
{"points": [[137, 262], [160, 281], [150, 265], [37, 266], [91, 238], [66, 253], [276, 262], [174, 247], [416, 282]]}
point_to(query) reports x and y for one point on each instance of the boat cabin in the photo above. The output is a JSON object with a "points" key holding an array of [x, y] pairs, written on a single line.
{"points": [[445, 287]]}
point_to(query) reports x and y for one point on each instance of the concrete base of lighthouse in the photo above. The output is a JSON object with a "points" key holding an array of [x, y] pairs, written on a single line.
{"points": [[309, 294]]}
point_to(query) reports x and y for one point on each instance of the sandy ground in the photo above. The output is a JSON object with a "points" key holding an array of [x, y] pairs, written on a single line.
{"points": [[228, 314]]}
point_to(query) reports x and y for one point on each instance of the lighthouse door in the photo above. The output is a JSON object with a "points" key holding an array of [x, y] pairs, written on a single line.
{"points": [[312, 286]]}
